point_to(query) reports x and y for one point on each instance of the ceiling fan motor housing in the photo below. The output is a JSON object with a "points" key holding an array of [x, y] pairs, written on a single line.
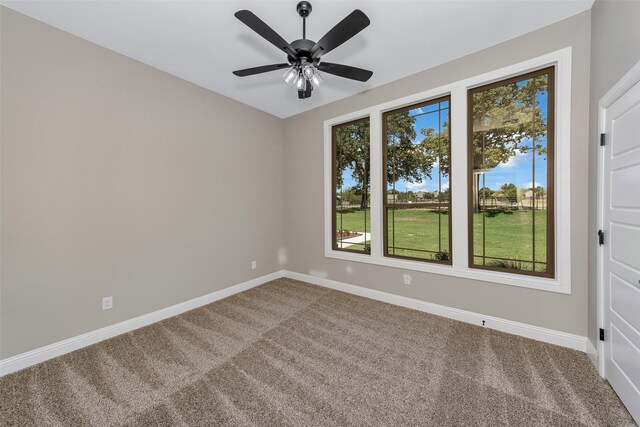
{"points": [[303, 47]]}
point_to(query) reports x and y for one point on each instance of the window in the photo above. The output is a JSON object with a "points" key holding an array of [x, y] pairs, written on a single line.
{"points": [[351, 183], [417, 203], [511, 175], [470, 179]]}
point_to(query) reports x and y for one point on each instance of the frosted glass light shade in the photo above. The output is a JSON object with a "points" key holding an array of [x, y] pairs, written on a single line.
{"points": [[290, 75], [317, 79]]}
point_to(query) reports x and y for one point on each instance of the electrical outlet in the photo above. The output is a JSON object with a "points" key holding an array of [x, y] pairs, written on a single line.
{"points": [[107, 303], [407, 279], [254, 264]]}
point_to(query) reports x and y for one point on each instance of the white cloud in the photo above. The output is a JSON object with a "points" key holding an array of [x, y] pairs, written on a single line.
{"points": [[528, 184], [414, 186], [425, 186], [513, 160]]}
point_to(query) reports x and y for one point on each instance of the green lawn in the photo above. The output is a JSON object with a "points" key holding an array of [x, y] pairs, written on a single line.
{"points": [[508, 234], [411, 232], [354, 220]]}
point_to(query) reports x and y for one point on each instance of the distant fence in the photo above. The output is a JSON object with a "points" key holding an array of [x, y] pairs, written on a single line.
{"points": [[506, 203], [488, 204], [431, 205], [348, 206]]}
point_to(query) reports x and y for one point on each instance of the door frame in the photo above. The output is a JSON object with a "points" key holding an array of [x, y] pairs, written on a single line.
{"points": [[629, 80]]}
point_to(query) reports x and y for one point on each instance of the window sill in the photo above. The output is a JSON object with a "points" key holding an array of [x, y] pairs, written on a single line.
{"points": [[532, 282]]}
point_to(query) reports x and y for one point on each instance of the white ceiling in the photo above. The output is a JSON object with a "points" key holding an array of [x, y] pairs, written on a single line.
{"points": [[202, 42]]}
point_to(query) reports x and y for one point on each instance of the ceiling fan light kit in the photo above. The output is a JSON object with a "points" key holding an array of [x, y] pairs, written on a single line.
{"points": [[304, 55]]}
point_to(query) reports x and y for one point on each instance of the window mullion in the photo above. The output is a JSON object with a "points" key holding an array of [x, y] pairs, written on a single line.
{"points": [[458, 179], [375, 151]]}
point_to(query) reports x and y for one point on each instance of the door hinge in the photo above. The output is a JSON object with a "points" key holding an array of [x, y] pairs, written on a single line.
{"points": [[600, 237], [602, 139], [601, 334]]}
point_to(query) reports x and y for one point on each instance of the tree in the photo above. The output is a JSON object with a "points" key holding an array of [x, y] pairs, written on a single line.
{"points": [[444, 194], [510, 191], [350, 196], [405, 158], [486, 192], [507, 120], [437, 146], [504, 118], [352, 151]]}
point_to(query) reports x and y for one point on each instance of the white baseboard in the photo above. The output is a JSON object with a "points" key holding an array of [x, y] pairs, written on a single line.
{"points": [[592, 352], [33, 357], [551, 336], [41, 354]]}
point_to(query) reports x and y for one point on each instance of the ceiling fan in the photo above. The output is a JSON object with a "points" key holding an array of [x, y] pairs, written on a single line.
{"points": [[304, 56]]}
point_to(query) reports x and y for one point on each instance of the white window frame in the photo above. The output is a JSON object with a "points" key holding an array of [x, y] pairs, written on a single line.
{"points": [[561, 59]]}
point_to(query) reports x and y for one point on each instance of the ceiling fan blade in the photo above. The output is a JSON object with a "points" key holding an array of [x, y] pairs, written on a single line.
{"points": [[355, 22], [258, 70], [345, 71], [257, 25]]}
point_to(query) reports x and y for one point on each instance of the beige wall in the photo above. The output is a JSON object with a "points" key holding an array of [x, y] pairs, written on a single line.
{"points": [[615, 48], [304, 190], [119, 179]]}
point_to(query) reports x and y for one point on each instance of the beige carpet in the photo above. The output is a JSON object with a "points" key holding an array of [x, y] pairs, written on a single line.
{"points": [[289, 353]]}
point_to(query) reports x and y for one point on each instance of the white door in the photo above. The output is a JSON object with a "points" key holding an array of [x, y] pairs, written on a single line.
{"points": [[621, 250]]}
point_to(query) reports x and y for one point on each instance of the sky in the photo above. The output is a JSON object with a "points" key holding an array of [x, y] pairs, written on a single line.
{"points": [[518, 170]]}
